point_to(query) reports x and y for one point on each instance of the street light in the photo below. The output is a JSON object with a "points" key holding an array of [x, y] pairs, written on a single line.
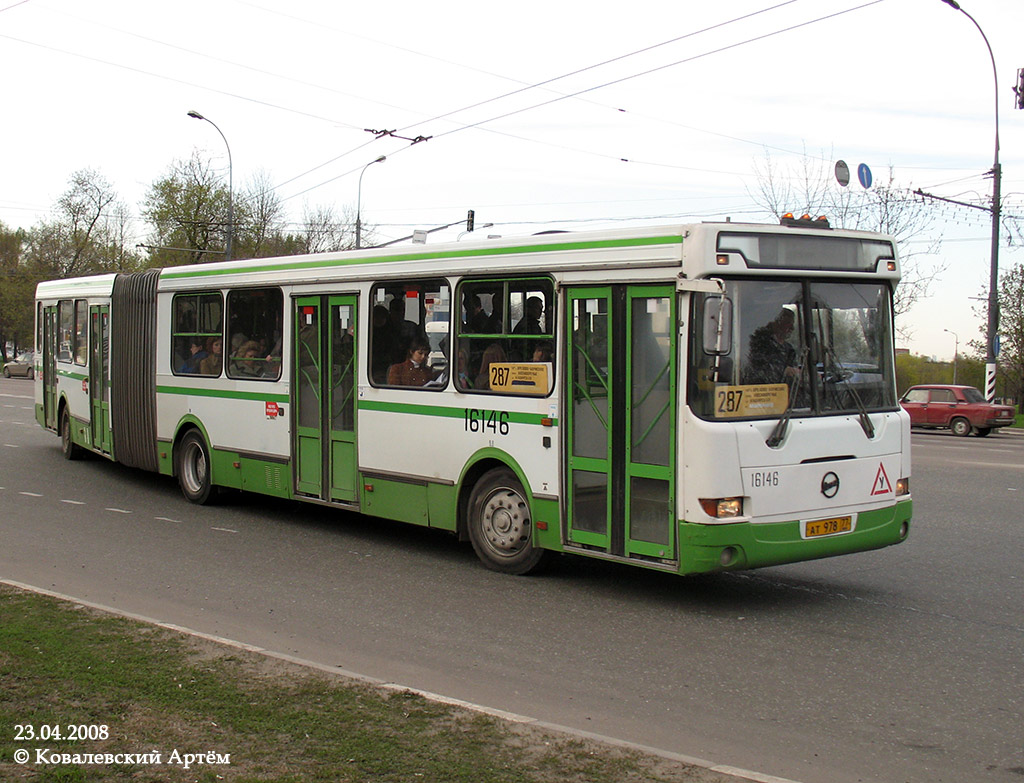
{"points": [[956, 351], [993, 285], [231, 195], [359, 200]]}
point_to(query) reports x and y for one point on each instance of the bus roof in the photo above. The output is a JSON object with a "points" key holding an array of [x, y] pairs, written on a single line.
{"points": [[645, 247]]}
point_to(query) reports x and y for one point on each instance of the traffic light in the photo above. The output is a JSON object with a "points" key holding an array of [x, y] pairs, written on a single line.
{"points": [[470, 217]]}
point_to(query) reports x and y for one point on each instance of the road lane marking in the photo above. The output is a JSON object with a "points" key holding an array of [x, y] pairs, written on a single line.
{"points": [[118, 510], [74, 502], [31, 494], [224, 529]]}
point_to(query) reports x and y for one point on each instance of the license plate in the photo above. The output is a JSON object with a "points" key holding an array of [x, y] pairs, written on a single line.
{"points": [[828, 527]]}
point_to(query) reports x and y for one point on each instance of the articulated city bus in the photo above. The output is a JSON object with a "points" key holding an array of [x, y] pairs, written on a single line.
{"points": [[688, 398]]}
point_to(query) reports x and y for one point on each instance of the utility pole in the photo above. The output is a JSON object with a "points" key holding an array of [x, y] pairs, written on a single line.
{"points": [[993, 286]]}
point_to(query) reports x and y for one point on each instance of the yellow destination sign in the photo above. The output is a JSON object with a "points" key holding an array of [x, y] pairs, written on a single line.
{"points": [[762, 400], [520, 377]]}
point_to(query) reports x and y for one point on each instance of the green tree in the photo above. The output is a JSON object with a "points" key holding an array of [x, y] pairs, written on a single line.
{"points": [[187, 210], [1011, 334], [17, 289]]}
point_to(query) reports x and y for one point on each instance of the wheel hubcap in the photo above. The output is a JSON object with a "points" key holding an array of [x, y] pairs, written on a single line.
{"points": [[506, 522], [195, 469]]}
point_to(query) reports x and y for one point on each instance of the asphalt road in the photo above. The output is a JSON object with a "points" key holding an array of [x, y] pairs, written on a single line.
{"points": [[905, 664]]}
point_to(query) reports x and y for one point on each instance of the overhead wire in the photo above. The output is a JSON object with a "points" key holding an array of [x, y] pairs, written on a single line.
{"points": [[456, 111], [609, 61], [648, 72], [562, 96], [479, 124], [176, 80]]}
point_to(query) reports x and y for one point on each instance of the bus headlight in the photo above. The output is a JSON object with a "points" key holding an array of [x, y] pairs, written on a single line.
{"points": [[722, 508], [903, 487]]}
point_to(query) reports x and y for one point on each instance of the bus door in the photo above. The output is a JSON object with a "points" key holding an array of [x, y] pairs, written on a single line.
{"points": [[324, 397], [50, 367], [99, 376], [621, 413]]}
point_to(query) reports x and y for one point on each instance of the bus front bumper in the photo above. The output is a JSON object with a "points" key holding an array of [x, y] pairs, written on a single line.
{"points": [[718, 547]]}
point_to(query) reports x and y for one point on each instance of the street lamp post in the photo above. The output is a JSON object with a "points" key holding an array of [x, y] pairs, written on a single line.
{"points": [[359, 200], [993, 285], [956, 351], [231, 195]]}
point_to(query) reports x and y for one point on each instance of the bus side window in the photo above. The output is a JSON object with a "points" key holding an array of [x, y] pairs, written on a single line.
{"points": [[409, 345], [196, 334], [65, 327], [81, 340], [500, 322], [255, 316]]}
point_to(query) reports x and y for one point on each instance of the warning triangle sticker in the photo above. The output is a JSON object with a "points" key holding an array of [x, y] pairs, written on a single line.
{"points": [[882, 485]]}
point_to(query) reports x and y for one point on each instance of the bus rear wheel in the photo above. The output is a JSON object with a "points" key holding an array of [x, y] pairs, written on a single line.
{"points": [[193, 469], [500, 524], [67, 443]]}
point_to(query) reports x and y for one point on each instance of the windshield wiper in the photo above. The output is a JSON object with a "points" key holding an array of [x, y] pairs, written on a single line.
{"points": [[779, 431], [843, 378]]}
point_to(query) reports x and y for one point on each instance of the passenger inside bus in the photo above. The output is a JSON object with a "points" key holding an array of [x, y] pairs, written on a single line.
{"points": [[492, 354], [543, 352], [213, 363], [414, 370], [772, 356], [197, 352], [477, 321], [247, 362]]}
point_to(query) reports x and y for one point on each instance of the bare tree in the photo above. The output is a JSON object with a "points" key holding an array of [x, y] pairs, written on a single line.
{"points": [[88, 232], [325, 231], [809, 187], [259, 218]]}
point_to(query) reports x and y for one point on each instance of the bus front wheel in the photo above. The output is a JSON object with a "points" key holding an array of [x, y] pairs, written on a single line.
{"points": [[500, 524], [193, 469]]}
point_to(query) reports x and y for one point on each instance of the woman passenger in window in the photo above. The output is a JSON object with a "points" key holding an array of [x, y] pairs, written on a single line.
{"points": [[494, 354], [543, 352], [413, 371], [212, 364]]}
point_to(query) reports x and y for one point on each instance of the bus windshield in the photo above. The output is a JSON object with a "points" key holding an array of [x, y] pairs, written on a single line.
{"points": [[766, 348]]}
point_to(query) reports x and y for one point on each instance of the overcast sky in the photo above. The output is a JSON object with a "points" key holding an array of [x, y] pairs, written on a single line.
{"points": [[668, 109]]}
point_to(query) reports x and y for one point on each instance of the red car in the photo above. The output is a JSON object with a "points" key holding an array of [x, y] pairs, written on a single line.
{"points": [[962, 409]]}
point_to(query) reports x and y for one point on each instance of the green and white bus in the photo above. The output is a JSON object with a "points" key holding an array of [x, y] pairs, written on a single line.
{"points": [[688, 398]]}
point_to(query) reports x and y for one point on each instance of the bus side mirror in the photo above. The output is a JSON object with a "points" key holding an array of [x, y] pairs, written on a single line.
{"points": [[717, 325]]}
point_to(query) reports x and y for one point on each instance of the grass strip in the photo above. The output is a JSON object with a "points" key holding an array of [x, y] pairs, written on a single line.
{"points": [[167, 698]]}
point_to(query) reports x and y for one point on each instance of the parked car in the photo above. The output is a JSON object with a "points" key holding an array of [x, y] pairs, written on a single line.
{"points": [[22, 366], [962, 409]]}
